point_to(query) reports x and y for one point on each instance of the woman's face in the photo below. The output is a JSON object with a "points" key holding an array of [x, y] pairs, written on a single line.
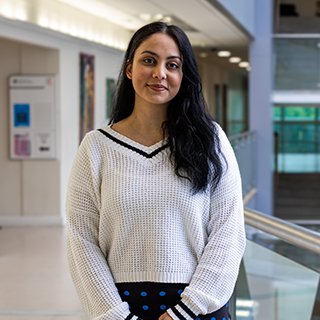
{"points": [[156, 71]]}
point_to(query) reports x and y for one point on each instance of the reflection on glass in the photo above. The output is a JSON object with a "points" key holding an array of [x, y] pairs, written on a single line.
{"points": [[298, 138], [295, 253], [277, 113], [299, 114], [296, 64], [277, 288], [236, 127]]}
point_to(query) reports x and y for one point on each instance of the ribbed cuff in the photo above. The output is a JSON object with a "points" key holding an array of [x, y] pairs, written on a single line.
{"points": [[132, 317], [181, 312]]}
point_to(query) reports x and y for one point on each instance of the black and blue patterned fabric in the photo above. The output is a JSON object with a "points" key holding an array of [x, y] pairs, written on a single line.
{"points": [[149, 300]]}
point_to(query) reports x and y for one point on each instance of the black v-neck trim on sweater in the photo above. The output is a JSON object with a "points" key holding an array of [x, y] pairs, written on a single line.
{"points": [[126, 145]]}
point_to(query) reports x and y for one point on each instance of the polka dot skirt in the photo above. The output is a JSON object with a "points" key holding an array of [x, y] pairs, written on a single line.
{"points": [[149, 300]]}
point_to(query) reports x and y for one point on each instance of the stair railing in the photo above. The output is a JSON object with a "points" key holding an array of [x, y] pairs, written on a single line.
{"points": [[287, 231], [279, 270]]}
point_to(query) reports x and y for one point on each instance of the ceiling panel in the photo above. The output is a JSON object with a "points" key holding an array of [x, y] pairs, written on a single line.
{"points": [[112, 22], [136, 7], [214, 29]]}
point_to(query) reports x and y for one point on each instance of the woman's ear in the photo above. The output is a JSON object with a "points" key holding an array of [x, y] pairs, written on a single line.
{"points": [[129, 71]]}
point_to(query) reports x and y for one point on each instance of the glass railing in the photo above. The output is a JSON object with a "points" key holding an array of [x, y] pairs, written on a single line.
{"points": [[279, 276], [244, 146]]}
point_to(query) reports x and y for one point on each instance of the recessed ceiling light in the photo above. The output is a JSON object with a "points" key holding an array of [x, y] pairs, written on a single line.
{"points": [[7, 10], [234, 59], [244, 64], [203, 55], [224, 53], [145, 16], [158, 16]]}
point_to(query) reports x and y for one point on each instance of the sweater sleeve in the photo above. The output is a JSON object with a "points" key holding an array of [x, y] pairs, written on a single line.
{"points": [[89, 270], [214, 279]]}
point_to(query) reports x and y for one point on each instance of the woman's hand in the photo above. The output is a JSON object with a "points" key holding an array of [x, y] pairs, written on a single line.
{"points": [[165, 316]]}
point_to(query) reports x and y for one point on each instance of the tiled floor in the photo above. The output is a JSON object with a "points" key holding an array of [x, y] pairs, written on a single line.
{"points": [[35, 283]]}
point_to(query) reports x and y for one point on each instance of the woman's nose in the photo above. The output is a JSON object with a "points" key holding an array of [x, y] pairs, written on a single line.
{"points": [[159, 72]]}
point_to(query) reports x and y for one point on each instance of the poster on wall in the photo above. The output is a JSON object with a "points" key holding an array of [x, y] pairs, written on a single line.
{"points": [[111, 88], [32, 104], [86, 94]]}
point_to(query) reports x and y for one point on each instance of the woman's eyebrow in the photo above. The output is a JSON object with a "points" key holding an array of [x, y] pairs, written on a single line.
{"points": [[156, 55]]}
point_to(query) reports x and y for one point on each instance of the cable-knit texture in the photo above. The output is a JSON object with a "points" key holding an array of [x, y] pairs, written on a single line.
{"points": [[130, 219]]}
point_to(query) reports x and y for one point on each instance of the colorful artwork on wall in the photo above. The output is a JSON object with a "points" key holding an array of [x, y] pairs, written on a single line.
{"points": [[111, 87], [86, 94]]}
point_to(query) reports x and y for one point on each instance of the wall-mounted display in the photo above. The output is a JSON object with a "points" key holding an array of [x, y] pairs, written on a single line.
{"points": [[86, 94], [32, 103]]}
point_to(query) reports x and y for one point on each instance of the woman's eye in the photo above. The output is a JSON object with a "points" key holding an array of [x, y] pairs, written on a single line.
{"points": [[173, 65], [148, 60]]}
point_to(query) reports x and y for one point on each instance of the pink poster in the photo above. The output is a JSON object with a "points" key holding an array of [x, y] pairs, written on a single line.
{"points": [[22, 145]]}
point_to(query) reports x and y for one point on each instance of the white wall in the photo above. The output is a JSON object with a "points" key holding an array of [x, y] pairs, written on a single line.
{"points": [[107, 65], [28, 188], [9, 170]]}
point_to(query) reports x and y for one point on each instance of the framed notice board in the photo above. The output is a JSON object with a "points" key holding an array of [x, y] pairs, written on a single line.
{"points": [[32, 104]]}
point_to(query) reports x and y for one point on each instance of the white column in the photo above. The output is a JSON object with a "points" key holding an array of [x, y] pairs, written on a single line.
{"points": [[260, 106]]}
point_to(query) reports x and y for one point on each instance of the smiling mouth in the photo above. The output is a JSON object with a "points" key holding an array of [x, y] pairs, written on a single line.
{"points": [[157, 87]]}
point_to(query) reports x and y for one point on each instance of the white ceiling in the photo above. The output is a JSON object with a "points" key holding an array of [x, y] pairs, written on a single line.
{"points": [[112, 22], [213, 29]]}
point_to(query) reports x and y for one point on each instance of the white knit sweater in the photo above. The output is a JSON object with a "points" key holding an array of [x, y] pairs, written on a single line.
{"points": [[131, 219]]}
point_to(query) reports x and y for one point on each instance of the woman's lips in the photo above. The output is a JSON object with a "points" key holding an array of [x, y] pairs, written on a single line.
{"points": [[157, 87]]}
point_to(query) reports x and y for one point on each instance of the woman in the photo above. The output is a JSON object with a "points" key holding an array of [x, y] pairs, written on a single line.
{"points": [[154, 209]]}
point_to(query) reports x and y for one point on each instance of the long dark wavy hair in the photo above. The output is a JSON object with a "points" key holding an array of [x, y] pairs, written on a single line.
{"points": [[192, 136]]}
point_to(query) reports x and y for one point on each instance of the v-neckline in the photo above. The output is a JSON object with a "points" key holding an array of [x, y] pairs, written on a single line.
{"points": [[151, 154]]}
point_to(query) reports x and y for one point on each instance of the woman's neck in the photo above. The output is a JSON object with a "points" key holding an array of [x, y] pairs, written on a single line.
{"points": [[144, 127]]}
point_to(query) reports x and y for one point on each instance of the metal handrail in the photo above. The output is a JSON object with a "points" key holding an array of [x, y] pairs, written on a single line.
{"points": [[284, 230]]}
